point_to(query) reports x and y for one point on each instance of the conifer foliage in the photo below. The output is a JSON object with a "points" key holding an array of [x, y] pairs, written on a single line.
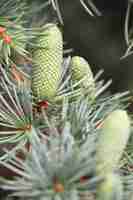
{"points": [[63, 135]]}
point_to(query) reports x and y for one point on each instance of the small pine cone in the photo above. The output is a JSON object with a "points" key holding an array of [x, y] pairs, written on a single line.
{"points": [[111, 188], [113, 138], [48, 60], [81, 70]]}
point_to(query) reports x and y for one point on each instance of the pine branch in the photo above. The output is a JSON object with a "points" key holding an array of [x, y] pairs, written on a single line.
{"points": [[55, 168], [16, 117]]}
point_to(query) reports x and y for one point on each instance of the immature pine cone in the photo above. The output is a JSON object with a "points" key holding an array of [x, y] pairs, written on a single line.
{"points": [[47, 63]]}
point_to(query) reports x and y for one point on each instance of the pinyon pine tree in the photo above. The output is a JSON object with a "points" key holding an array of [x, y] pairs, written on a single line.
{"points": [[63, 135]]}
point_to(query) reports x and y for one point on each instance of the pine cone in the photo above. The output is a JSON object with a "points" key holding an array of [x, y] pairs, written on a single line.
{"points": [[113, 138], [47, 67], [111, 188], [81, 70]]}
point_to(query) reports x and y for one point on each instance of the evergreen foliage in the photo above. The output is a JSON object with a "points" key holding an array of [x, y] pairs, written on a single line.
{"points": [[63, 135]]}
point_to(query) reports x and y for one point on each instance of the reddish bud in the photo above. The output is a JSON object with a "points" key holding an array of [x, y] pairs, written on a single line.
{"points": [[99, 124], [26, 128], [43, 104], [58, 187], [7, 39], [83, 179]]}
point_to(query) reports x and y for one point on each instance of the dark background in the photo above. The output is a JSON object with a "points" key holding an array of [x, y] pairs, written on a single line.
{"points": [[100, 39]]}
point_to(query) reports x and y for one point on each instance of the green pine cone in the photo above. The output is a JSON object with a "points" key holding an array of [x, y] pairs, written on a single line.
{"points": [[113, 138], [81, 70], [111, 188], [48, 60]]}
